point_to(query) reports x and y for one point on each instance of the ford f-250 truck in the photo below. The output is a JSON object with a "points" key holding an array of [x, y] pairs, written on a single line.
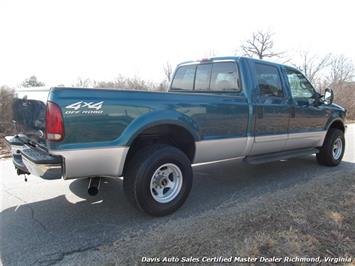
{"points": [[216, 109]]}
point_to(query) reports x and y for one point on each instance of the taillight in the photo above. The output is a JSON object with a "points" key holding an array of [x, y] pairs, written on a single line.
{"points": [[54, 123]]}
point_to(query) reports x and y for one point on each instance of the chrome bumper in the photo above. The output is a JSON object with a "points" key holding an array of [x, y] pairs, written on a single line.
{"points": [[46, 171], [33, 160]]}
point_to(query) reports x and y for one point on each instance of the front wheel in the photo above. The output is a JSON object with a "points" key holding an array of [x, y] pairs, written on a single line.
{"points": [[333, 148], [158, 179]]}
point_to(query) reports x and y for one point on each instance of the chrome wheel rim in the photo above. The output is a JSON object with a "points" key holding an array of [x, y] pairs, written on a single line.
{"points": [[337, 148], [166, 183]]}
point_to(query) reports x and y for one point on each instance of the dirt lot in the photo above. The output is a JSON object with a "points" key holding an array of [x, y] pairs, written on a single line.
{"points": [[290, 208], [315, 218]]}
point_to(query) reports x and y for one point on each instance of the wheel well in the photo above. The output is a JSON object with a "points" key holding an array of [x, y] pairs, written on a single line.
{"points": [[176, 136], [338, 124]]}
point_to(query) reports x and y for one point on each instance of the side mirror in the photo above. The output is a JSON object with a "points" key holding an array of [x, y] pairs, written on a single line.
{"points": [[328, 96], [317, 99]]}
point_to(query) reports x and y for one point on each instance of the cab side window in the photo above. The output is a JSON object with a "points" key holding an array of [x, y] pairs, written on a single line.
{"points": [[269, 80], [300, 87]]}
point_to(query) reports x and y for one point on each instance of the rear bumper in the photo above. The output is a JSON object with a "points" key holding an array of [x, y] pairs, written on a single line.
{"points": [[34, 160]]}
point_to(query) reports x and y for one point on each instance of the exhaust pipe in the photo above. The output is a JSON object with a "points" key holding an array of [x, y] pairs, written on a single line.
{"points": [[94, 185]]}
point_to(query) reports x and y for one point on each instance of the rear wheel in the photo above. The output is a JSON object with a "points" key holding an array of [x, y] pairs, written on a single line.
{"points": [[333, 148], [158, 179]]}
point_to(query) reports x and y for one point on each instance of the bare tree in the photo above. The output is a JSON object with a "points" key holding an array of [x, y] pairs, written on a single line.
{"points": [[6, 100], [341, 70], [168, 71], [344, 94], [83, 83], [32, 82], [260, 45], [312, 65], [210, 53], [127, 83]]}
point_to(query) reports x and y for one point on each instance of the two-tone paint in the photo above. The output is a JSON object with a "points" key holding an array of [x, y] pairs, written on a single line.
{"points": [[101, 124]]}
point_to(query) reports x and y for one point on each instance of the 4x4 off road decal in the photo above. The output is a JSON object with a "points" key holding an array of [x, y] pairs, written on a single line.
{"points": [[82, 107]]}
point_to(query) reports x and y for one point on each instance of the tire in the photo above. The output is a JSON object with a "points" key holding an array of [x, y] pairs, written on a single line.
{"points": [[332, 151], [158, 179]]}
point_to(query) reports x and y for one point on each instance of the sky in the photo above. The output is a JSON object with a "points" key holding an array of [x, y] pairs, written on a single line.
{"points": [[62, 40]]}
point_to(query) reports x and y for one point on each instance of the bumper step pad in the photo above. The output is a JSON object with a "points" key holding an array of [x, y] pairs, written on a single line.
{"points": [[42, 164]]}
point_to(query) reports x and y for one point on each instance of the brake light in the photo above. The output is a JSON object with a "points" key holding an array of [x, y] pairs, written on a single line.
{"points": [[54, 123]]}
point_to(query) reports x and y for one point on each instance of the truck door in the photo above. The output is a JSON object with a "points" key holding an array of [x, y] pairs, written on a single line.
{"points": [[271, 110], [307, 120]]}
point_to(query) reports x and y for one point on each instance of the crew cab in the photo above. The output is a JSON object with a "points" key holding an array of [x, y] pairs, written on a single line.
{"points": [[216, 109]]}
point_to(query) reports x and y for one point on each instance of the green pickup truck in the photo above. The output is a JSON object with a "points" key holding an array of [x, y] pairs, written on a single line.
{"points": [[216, 109]]}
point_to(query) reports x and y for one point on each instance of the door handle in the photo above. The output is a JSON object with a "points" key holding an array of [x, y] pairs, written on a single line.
{"points": [[292, 112], [259, 112]]}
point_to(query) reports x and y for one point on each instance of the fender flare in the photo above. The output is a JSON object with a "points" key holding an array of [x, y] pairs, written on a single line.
{"points": [[331, 122], [156, 118]]}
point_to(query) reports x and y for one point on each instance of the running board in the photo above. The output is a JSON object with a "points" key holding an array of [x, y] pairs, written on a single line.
{"points": [[277, 156]]}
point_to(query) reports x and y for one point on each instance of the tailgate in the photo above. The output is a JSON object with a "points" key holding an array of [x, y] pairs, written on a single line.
{"points": [[29, 112]]}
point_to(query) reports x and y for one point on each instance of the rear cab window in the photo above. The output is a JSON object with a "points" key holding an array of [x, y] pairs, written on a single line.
{"points": [[203, 77], [225, 77], [184, 78], [207, 77]]}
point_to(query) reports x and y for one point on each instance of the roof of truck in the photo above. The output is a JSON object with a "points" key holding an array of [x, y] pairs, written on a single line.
{"points": [[210, 59], [221, 58]]}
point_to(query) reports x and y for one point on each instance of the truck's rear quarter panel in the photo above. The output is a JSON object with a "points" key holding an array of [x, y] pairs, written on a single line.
{"points": [[97, 139], [211, 116]]}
